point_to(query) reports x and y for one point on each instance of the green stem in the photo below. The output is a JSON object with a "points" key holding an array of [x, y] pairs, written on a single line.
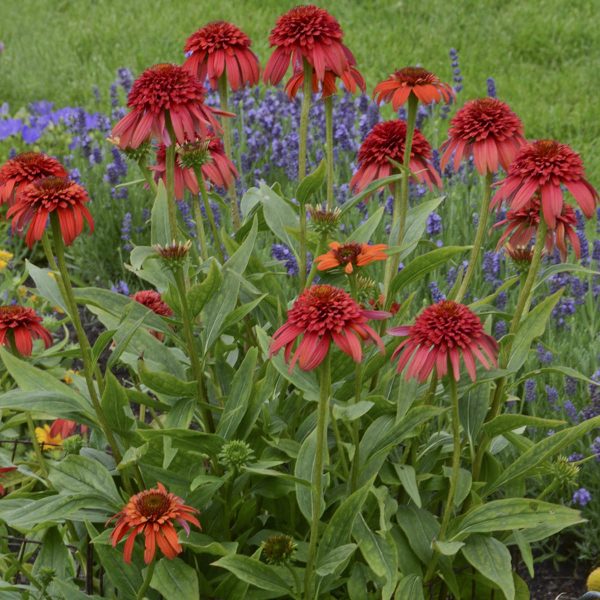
{"points": [[36, 447], [209, 212], [147, 579], [147, 174], [340, 447], [197, 370], [303, 135], [199, 219], [227, 143], [456, 452], [303, 248], [479, 236], [84, 344], [358, 372], [170, 165], [317, 475], [329, 148]]}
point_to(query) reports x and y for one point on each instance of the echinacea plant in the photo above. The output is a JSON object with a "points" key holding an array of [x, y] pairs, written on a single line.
{"points": [[230, 428]]}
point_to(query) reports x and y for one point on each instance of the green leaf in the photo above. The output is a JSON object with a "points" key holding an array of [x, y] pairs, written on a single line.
{"points": [[336, 560], [408, 479], [492, 559], [410, 586], [370, 189], [201, 543], [160, 232], [512, 513], [185, 439], [447, 548], [116, 406], [525, 549], [175, 580], [420, 528], [563, 268], [473, 408], [503, 423], [416, 222], [540, 452], [556, 369], [254, 572], [280, 217], [44, 405], [532, 326], [304, 470], [311, 184], [236, 315], [201, 293], [54, 554], [165, 383], [421, 265], [363, 234], [351, 412], [46, 285]]}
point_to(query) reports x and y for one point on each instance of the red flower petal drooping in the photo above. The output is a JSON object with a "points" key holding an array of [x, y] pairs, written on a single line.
{"points": [[522, 226], [486, 129], [323, 314], [218, 48], [441, 334], [307, 33], [219, 170], [351, 78], [20, 171], [163, 91], [50, 195], [426, 86], [153, 300], [153, 513], [20, 326], [386, 140], [543, 167]]}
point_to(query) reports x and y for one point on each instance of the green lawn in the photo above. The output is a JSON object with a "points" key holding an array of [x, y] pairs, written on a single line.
{"points": [[544, 54]]}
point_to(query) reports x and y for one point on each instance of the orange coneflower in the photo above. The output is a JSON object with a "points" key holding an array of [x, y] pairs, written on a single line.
{"points": [[387, 140], [425, 86], [323, 314], [21, 325], [441, 334], [50, 195], [350, 255], [23, 169], [218, 48], [152, 512], [162, 92], [543, 167], [486, 129]]}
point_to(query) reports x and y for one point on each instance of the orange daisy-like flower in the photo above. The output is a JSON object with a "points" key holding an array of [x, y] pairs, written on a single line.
{"points": [[323, 314], [152, 512], [20, 326], [387, 140], [352, 80], [486, 129], [307, 33], [47, 439], [426, 86], [543, 167], [23, 169], [522, 226], [165, 91], [350, 255], [218, 169], [50, 195], [218, 48], [441, 334]]}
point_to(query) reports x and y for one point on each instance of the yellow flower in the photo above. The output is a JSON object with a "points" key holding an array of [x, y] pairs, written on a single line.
{"points": [[22, 290], [68, 376], [593, 582], [5, 258], [46, 440]]}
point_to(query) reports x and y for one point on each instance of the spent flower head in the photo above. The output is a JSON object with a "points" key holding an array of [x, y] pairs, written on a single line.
{"points": [[278, 549]]}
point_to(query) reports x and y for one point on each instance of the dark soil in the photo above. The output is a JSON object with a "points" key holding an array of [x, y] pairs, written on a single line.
{"points": [[550, 583]]}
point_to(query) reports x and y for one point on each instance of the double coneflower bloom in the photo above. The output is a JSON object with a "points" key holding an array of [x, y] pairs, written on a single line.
{"points": [[350, 256], [20, 326]]}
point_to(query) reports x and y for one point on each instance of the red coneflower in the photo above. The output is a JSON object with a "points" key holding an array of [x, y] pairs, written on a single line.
{"points": [[217, 168], [426, 87], [542, 167], [23, 169], [323, 314], [65, 428], [152, 513], [522, 226], [153, 300], [307, 33], [21, 325], [441, 334], [486, 129], [218, 48], [351, 78], [350, 255], [386, 140], [50, 195], [163, 91], [2, 471]]}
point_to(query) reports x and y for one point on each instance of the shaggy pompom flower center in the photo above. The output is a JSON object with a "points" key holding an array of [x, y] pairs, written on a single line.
{"points": [[51, 193], [153, 504], [547, 160], [414, 76], [485, 118], [14, 314], [446, 324], [163, 87], [219, 35], [305, 26], [323, 308]]}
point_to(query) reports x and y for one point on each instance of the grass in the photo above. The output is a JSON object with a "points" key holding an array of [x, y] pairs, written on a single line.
{"points": [[544, 54]]}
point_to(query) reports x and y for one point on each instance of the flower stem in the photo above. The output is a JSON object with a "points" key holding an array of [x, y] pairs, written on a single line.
{"points": [[479, 236], [227, 143], [146, 583], [456, 452], [358, 373], [329, 148], [199, 219], [36, 447], [170, 166], [209, 212], [317, 475], [303, 249], [303, 135], [84, 344], [197, 370]]}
